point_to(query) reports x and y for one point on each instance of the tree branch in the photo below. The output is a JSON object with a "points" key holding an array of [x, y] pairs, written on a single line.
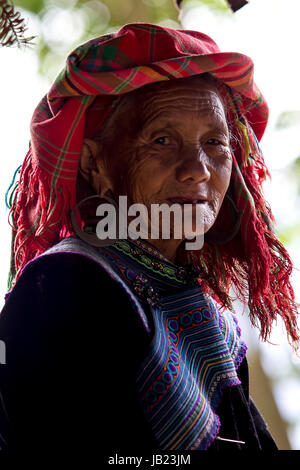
{"points": [[235, 5], [12, 26]]}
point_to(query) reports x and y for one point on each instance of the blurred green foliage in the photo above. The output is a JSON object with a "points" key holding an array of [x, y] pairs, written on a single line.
{"points": [[291, 233], [287, 119], [61, 25]]}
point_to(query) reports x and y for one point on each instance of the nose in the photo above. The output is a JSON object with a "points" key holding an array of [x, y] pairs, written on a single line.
{"points": [[193, 167]]}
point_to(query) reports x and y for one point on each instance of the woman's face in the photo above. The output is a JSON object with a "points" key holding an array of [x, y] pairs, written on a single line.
{"points": [[171, 145]]}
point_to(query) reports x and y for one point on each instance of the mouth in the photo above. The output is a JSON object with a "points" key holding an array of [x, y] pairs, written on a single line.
{"points": [[188, 200]]}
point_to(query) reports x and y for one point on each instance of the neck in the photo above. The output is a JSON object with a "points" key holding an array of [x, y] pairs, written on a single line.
{"points": [[168, 248]]}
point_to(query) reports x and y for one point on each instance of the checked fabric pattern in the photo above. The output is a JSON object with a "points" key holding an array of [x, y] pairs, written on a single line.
{"points": [[96, 75]]}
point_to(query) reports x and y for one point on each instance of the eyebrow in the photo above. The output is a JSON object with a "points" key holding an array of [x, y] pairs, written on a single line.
{"points": [[221, 126]]}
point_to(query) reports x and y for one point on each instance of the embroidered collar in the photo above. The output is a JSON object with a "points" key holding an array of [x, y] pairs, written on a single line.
{"points": [[149, 273]]}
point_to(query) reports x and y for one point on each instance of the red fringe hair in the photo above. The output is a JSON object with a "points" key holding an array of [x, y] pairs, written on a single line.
{"points": [[254, 262]]}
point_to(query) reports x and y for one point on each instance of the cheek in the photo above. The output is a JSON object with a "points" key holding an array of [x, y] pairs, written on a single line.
{"points": [[220, 180], [222, 175], [149, 174]]}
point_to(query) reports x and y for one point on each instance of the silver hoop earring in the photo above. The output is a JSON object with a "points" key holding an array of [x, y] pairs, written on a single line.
{"points": [[87, 235], [220, 238]]}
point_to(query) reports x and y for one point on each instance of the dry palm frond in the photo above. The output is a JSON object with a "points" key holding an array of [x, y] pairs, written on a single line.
{"points": [[12, 26]]}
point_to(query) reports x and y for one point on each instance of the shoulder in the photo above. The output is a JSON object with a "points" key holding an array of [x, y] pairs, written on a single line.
{"points": [[69, 286], [68, 299], [70, 265], [61, 275]]}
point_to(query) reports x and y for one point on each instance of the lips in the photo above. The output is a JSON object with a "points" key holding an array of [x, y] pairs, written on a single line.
{"points": [[197, 199]]}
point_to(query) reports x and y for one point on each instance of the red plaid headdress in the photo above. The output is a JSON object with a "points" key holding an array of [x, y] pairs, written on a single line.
{"points": [[77, 104]]}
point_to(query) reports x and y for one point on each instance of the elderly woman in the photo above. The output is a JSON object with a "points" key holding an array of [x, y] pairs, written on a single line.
{"points": [[133, 344]]}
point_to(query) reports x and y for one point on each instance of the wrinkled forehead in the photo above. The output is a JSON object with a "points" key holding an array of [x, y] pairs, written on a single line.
{"points": [[187, 93], [198, 97], [167, 98], [196, 84]]}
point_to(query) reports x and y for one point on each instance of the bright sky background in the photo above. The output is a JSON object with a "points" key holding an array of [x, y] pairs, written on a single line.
{"points": [[267, 31]]}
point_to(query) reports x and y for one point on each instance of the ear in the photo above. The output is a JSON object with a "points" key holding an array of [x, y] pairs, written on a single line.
{"points": [[92, 167]]}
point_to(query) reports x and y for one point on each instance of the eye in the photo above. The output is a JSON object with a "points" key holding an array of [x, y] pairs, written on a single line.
{"points": [[164, 140], [214, 142]]}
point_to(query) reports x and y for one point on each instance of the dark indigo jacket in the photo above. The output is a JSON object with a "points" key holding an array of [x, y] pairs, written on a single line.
{"points": [[73, 344]]}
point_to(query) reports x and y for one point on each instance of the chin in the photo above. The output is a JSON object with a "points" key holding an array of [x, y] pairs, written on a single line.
{"points": [[200, 223]]}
